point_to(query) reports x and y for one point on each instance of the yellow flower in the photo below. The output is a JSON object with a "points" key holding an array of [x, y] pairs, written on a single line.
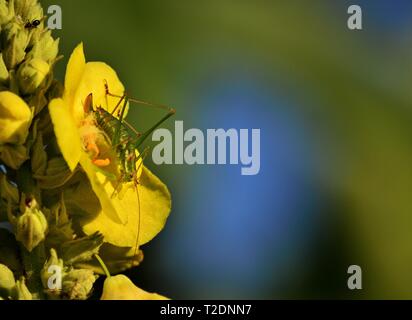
{"points": [[15, 119], [122, 288], [82, 142], [68, 113]]}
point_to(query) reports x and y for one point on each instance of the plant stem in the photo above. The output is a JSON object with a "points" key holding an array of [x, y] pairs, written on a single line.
{"points": [[106, 271]]}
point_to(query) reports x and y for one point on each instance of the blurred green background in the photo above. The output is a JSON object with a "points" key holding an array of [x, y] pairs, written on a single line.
{"points": [[335, 110]]}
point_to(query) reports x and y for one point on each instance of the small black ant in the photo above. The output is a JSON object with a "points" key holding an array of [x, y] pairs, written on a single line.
{"points": [[32, 24]]}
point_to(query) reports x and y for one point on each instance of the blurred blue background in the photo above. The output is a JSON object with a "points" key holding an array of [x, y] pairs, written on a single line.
{"points": [[334, 109]]}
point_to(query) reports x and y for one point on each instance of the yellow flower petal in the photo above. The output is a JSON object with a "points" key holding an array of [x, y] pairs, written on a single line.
{"points": [[122, 288], [74, 73], [84, 78], [155, 205], [95, 75], [66, 132], [114, 208]]}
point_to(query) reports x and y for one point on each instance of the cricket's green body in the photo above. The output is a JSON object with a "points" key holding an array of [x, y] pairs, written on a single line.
{"points": [[122, 142]]}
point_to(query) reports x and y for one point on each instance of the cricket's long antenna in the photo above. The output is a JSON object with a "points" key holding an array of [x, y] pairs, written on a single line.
{"points": [[142, 156], [148, 104], [142, 137], [141, 102]]}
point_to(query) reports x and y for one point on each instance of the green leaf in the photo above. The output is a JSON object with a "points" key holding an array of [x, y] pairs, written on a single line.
{"points": [[39, 156], [81, 250]]}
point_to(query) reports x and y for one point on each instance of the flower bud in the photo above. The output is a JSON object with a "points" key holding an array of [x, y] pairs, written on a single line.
{"points": [[52, 261], [32, 75], [31, 228], [78, 284], [6, 11], [21, 292], [51, 274], [122, 288], [9, 31], [15, 119], [14, 42], [28, 9], [7, 281], [45, 48]]}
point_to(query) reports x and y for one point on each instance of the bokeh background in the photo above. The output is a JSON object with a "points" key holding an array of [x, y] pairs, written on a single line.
{"points": [[335, 109]]}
